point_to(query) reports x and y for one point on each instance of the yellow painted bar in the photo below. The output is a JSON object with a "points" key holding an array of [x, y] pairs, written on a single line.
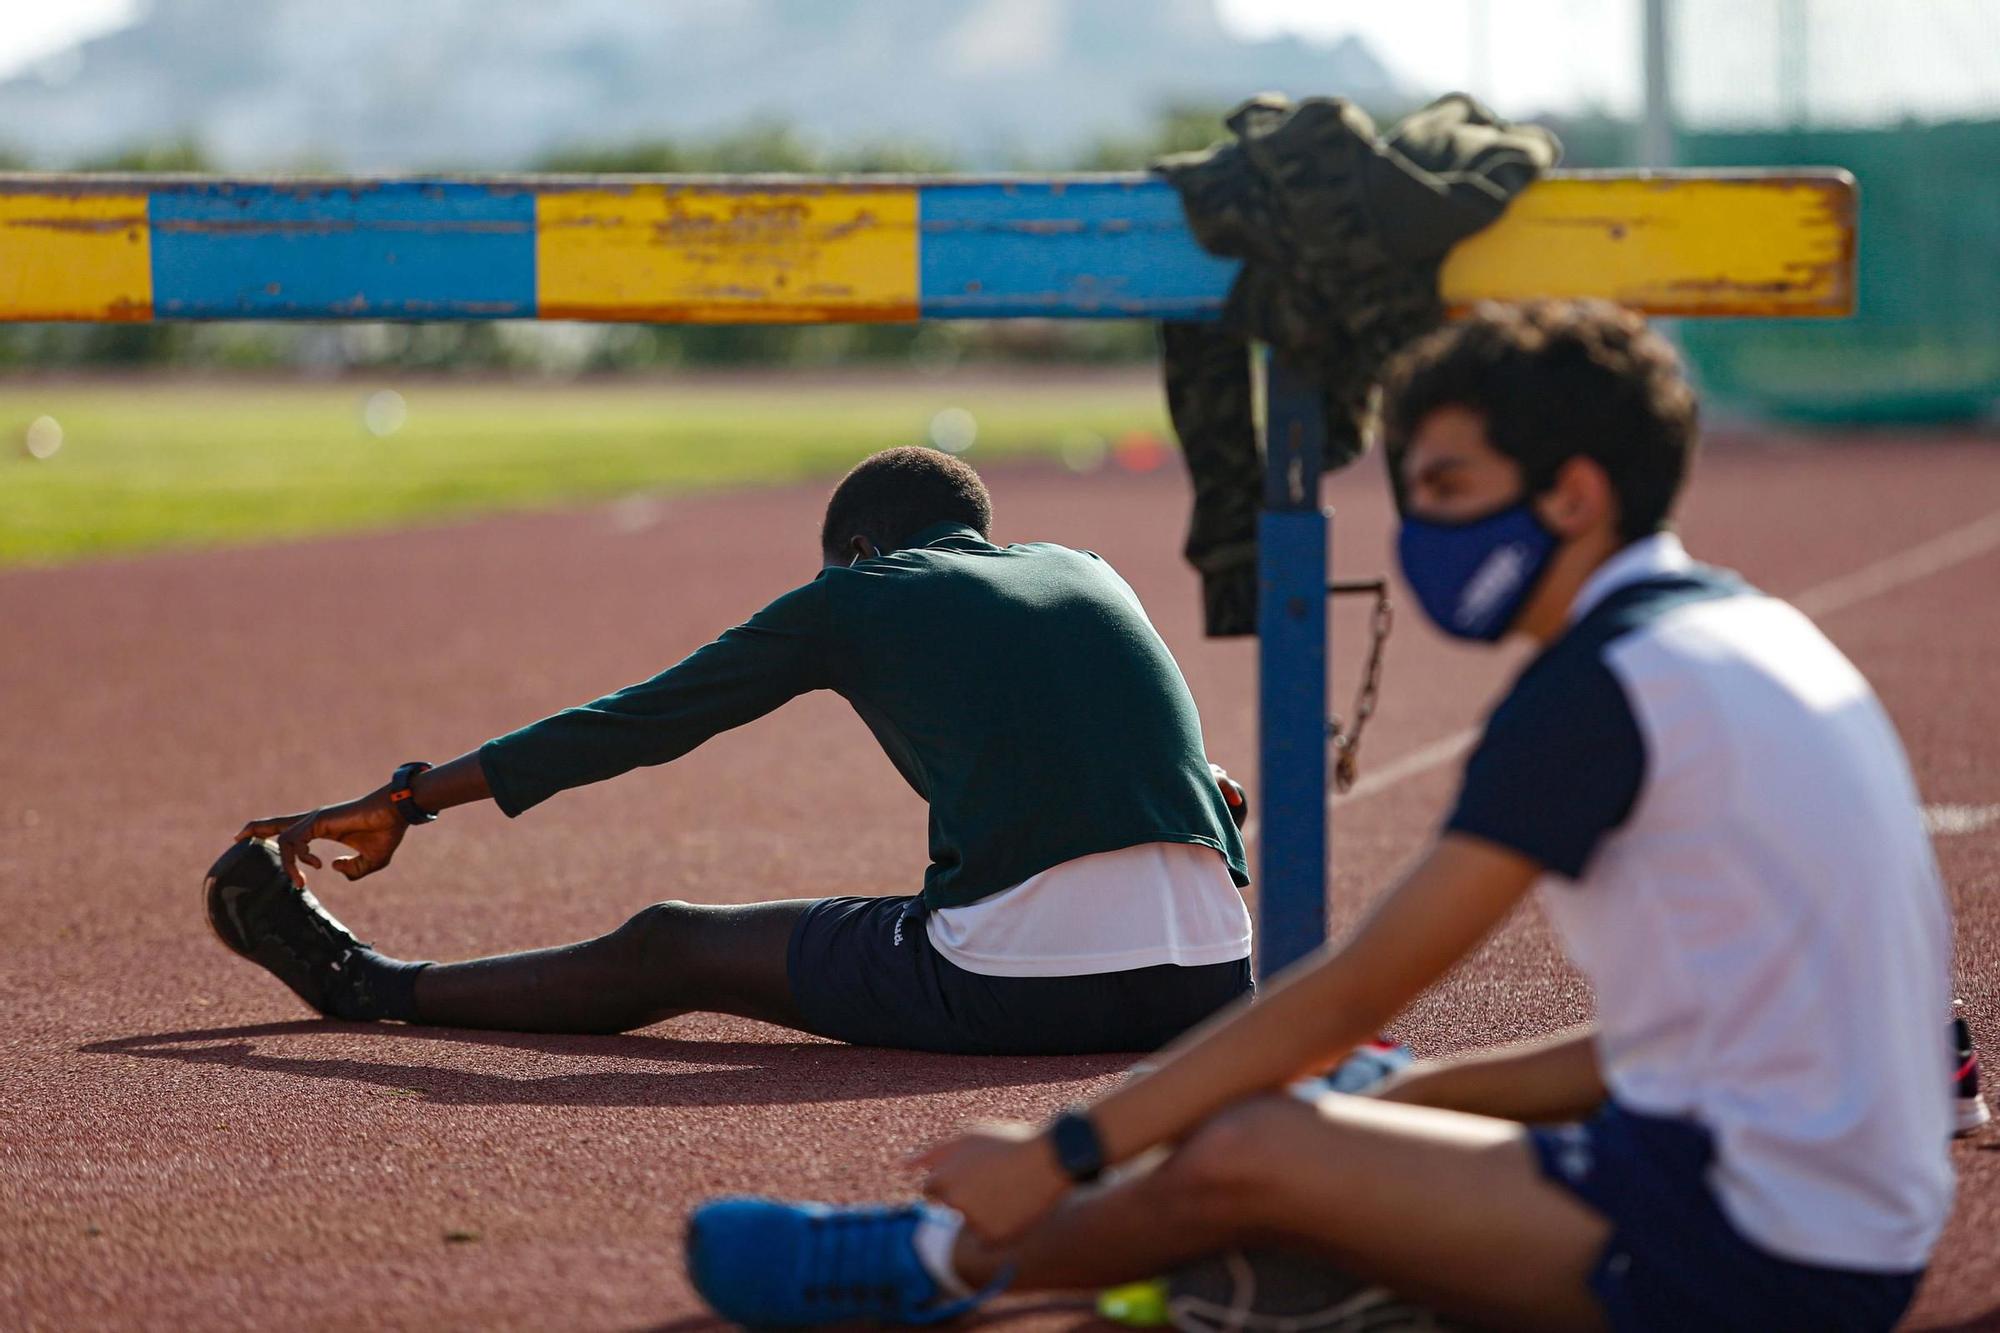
{"points": [[1764, 243], [718, 254], [75, 256]]}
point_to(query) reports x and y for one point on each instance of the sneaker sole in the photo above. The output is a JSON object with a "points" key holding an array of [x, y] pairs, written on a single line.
{"points": [[208, 905], [228, 941]]}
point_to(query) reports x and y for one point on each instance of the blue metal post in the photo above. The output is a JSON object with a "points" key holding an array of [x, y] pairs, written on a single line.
{"points": [[1292, 536]]}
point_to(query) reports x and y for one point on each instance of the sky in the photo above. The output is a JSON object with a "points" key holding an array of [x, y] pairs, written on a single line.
{"points": [[1850, 61], [32, 30], [1862, 58], [1499, 52], [1410, 37]]}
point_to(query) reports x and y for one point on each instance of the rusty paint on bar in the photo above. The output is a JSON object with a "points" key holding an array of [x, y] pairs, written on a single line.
{"points": [[799, 250], [665, 253], [1746, 244], [389, 250], [74, 255]]}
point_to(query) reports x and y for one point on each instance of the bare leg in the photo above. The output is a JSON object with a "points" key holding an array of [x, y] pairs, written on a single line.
{"points": [[671, 958], [1443, 1208]]}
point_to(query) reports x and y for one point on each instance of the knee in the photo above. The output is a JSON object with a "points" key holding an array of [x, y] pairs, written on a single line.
{"points": [[1225, 1168], [654, 929]]}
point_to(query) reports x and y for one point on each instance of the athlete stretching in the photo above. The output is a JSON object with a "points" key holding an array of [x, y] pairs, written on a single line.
{"points": [[1730, 845], [1082, 893]]}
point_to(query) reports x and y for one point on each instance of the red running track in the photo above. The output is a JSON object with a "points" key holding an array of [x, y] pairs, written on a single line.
{"points": [[179, 1147]]}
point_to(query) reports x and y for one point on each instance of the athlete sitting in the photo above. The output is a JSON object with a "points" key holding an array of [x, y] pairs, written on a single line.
{"points": [[1082, 893], [1729, 843]]}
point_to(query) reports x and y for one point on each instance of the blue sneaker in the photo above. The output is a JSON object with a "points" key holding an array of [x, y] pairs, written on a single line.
{"points": [[766, 1263]]}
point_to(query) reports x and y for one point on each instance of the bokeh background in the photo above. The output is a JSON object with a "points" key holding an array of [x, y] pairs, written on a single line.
{"points": [[129, 437]]}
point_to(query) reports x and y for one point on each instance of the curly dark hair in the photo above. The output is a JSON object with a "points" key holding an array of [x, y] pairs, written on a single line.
{"points": [[892, 496], [1553, 380]]}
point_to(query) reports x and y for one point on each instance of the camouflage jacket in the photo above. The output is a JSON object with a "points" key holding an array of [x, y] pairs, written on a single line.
{"points": [[1342, 235]]}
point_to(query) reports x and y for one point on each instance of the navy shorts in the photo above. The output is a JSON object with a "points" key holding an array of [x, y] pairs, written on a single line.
{"points": [[863, 970], [1674, 1260]]}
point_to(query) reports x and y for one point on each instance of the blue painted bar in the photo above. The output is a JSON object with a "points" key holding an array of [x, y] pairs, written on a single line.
{"points": [[384, 250], [1064, 249], [1292, 543]]}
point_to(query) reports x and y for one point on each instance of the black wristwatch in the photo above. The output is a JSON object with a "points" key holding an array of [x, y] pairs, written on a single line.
{"points": [[401, 799], [1079, 1152]]}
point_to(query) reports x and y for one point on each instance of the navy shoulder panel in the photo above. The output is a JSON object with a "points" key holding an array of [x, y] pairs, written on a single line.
{"points": [[1637, 605], [1562, 760]]}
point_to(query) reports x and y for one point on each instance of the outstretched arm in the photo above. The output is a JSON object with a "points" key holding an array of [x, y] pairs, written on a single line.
{"points": [[783, 651], [369, 826], [778, 653], [1003, 1179]]}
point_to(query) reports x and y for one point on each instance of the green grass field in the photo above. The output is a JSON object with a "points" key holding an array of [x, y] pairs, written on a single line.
{"points": [[150, 464]]}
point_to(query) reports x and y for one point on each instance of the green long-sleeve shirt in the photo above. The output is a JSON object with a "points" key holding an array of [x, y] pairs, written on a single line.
{"points": [[1020, 689]]}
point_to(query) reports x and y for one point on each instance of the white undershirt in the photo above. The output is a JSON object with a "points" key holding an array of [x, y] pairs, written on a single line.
{"points": [[1159, 902]]}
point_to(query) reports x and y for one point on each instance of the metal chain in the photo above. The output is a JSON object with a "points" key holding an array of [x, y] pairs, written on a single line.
{"points": [[1346, 738]]}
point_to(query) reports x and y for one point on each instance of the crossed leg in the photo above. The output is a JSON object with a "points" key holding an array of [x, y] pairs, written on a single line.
{"points": [[670, 958], [1447, 1209]]}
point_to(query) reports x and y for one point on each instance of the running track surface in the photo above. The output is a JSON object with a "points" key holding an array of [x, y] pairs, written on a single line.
{"points": [[180, 1147]]}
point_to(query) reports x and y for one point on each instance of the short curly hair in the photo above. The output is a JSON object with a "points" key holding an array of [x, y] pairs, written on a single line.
{"points": [[1552, 381], [892, 496]]}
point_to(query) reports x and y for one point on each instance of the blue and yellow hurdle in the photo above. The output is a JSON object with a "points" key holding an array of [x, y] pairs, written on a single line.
{"points": [[788, 250], [783, 250]]}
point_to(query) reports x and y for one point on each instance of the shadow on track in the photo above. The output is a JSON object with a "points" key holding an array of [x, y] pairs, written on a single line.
{"points": [[1979, 1323], [751, 1074]]}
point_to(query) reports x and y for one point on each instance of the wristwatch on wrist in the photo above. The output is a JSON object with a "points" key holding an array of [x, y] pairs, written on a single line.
{"points": [[400, 798], [1079, 1152]]}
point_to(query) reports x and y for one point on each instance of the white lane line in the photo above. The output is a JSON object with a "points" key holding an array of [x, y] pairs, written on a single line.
{"points": [[1888, 574], [1414, 764], [1943, 821], [1872, 580]]}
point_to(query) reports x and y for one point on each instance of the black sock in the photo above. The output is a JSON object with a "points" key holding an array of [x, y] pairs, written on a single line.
{"points": [[378, 987]]}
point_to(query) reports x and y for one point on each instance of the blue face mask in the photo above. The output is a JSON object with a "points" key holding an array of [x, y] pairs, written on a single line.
{"points": [[1473, 577]]}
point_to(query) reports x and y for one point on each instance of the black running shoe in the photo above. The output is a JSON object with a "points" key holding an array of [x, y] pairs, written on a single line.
{"points": [[1969, 1106], [255, 910]]}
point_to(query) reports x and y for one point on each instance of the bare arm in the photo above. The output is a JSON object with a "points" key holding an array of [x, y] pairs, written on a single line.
{"points": [[1557, 1078], [368, 825], [1319, 1010], [460, 782]]}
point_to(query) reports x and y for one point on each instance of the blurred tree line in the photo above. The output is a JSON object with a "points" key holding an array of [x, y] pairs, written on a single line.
{"points": [[565, 349]]}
